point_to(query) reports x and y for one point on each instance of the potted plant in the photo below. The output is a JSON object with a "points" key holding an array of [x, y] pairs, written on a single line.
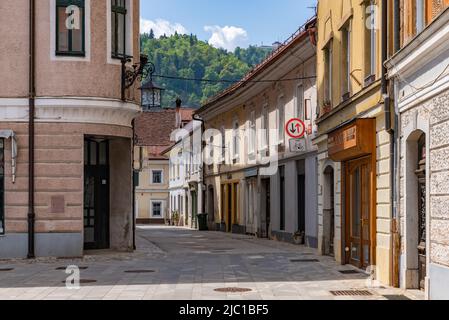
{"points": [[299, 237], [175, 217]]}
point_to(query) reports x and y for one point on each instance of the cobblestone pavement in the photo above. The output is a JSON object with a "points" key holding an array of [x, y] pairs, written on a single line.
{"points": [[181, 264]]}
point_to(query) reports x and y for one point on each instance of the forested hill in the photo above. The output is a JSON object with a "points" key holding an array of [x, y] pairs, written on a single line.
{"points": [[187, 57]]}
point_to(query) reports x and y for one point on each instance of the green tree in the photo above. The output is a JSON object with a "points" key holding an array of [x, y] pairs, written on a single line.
{"points": [[184, 56]]}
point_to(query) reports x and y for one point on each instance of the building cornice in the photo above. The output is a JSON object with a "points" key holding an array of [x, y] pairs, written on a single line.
{"points": [[71, 110]]}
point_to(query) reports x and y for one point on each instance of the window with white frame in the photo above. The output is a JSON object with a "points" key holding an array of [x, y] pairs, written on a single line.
{"points": [[265, 126], [370, 41], [328, 75], [281, 119], [223, 144], [307, 109], [252, 133], [157, 177], [118, 28], [346, 61], [70, 28], [236, 140], [157, 209]]}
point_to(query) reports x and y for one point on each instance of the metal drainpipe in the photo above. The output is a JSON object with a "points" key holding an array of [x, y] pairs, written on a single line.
{"points": [[391, 132], [203, 171], [395, 174], [31, 129], [134, 184]]}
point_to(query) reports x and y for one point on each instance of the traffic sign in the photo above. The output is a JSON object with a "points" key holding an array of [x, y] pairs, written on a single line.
{"points": [[295, 128]]}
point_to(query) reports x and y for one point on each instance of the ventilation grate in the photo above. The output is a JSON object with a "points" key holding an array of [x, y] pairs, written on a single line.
{"points": [[233, 290], [396, 297], [139, 271], [349, 272], [304, 260], [351, 293], [84, 281]]}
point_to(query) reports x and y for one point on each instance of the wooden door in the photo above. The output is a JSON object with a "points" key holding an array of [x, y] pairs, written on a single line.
{"points": [[359, 215], [301, 203]]}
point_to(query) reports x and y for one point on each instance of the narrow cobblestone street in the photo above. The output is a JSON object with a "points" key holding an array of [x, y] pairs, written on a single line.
{"points": [[174, 264]]}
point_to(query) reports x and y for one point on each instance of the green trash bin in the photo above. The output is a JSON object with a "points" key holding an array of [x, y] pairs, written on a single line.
{"points": [[202, 221]]}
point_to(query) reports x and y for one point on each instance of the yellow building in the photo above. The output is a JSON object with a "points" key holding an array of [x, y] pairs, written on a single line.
{"points": [[153, 130], [355, 135]]}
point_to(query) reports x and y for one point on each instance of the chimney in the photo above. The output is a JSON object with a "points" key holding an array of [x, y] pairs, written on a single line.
{"points": [[178, 113]]}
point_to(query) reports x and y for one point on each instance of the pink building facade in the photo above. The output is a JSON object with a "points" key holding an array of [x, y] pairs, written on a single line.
{"points": [[81, 162]]}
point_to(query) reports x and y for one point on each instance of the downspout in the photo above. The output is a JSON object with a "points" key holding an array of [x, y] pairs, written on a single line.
{"points": [[31, 129], [203, 167], [396, 242], [389, 128], [134, 183]]}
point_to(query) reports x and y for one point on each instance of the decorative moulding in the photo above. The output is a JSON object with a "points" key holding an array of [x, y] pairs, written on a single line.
{"points": [[94, 111]]}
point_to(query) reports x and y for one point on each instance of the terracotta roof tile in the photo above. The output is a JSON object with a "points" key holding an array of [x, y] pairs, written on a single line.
{"points": [[154, 128]]}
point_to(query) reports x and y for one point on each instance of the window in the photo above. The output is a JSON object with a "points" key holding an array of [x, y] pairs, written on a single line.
{"points": [[370, 42], [70, 27], [420, 17], [346, 62], [118, 28], [265, 127], [299, 105], [252, 133], [308, 109], [157, 177], [156, 209], [281, 120], [328, 75], [2, 187], [425, 11], [223, 144], [236, 140]]}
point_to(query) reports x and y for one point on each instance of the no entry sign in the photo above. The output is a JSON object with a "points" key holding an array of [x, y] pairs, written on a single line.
{"points": [[295, 128]]}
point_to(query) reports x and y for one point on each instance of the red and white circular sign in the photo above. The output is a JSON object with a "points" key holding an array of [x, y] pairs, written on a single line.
{"points": [[295, 128]]}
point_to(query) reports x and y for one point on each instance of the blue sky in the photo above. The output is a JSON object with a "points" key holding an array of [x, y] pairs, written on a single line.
{"points": [[227, 23]]}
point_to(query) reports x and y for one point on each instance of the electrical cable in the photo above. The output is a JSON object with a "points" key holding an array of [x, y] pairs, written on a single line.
{"points": [[231, 81]]}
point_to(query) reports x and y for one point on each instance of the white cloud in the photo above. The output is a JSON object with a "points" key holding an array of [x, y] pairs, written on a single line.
{"points": [[161, 27], [227, 37]]}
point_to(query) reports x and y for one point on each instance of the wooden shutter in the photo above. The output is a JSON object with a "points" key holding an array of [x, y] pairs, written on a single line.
{"points": [[434, 8]]}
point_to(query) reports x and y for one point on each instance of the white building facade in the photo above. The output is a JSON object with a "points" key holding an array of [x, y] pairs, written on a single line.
{"points": [[421, 81], [186, 187]]}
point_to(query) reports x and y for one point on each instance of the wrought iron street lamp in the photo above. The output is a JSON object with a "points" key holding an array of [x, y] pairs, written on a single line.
{"points": [[151, 93]]}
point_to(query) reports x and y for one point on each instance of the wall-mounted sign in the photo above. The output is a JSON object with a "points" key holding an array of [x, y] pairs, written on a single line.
{"points": [[298, 145], [295, 128], [354, 140], [250, 173]]}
